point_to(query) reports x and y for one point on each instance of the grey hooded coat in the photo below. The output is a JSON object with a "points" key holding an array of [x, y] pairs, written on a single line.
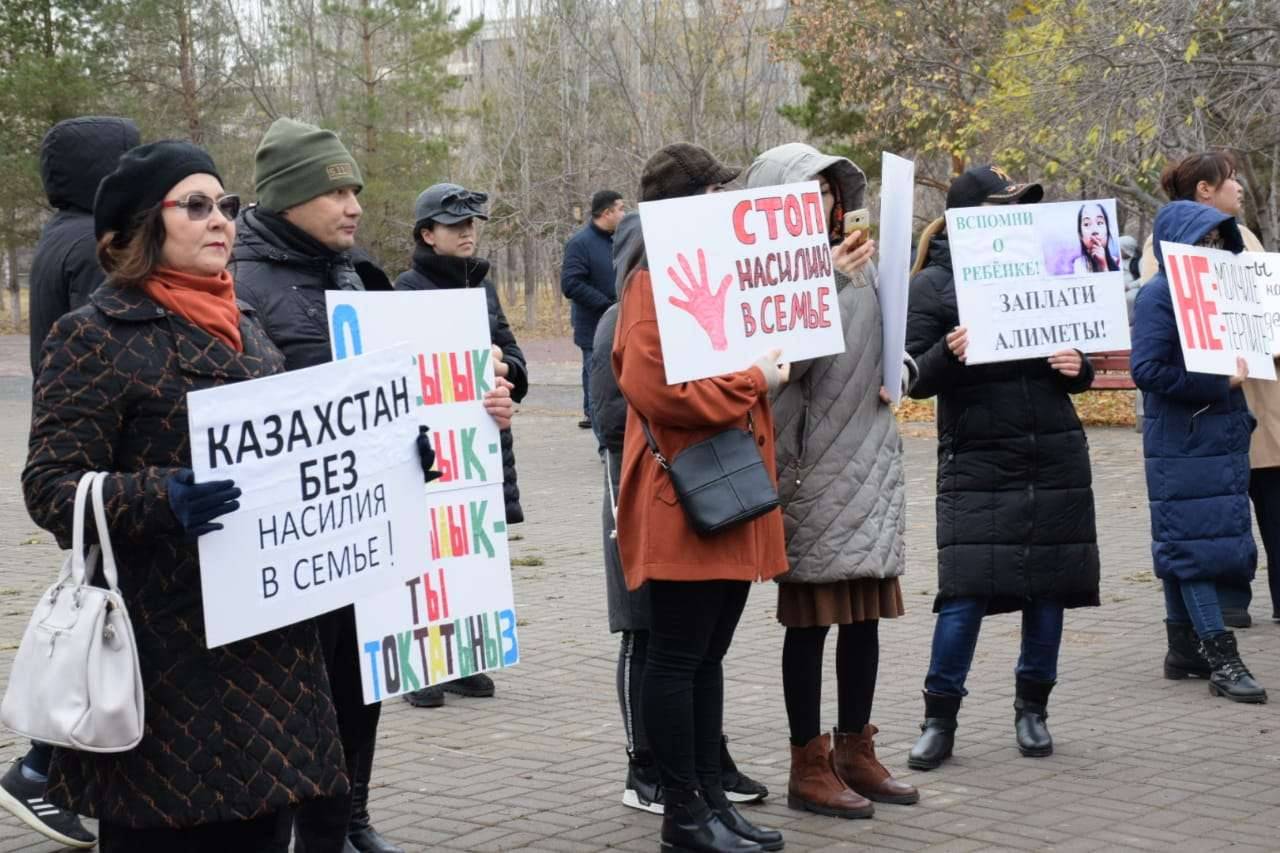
{"points": [[839, 454]]}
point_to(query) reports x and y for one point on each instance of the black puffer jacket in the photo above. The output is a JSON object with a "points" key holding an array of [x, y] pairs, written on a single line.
{"points": [[437, 272], [74, 157], [232, 733], [283, 273], [1015, 509]]}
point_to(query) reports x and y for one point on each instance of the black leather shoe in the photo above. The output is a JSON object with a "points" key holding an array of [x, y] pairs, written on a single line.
{"points": [[1029, 716], [690, 826], [738, 786], [768, 839], [1230, 677], [1183, 659], [361, 836], [1236, 617], [937, 732]]}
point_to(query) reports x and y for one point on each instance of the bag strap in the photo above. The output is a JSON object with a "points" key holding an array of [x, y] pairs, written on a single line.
{"points": [[653, 445], [104, 535], [613, 501], [77, 528]]}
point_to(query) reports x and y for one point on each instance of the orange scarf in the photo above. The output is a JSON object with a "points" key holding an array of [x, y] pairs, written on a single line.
{"points": [[208, 302]]}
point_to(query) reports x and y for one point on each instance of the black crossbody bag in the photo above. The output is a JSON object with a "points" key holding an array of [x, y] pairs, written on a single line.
{"points": [[721, 481]]}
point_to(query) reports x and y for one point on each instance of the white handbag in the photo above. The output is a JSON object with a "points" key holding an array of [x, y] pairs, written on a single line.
{"points": [[75, 681]]}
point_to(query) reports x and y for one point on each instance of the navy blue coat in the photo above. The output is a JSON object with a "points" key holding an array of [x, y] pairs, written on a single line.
{"points": [[586, 279], [1195, 436]]}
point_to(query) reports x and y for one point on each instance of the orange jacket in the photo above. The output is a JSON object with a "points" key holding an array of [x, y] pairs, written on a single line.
{"points": [[654, 538]]}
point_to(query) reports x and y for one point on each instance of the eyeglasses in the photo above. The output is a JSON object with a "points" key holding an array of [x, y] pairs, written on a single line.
{"points": [[199, 206]]}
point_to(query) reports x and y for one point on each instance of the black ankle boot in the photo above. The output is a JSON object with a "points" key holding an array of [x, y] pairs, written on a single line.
{"points": [[768, 839], [1230, 677], [1029, 716], [1184, 660], [360, 833], [937, 732], [690, 826]]}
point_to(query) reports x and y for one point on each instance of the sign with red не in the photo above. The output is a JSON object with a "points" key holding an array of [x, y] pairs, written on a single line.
{"points": [[737, 274], [1222, 303]]}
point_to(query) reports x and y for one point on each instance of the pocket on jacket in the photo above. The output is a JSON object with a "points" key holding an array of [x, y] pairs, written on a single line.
{"points": [[666, 490]]}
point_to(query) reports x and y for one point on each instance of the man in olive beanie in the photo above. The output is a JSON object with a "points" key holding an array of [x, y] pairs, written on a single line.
{"points": [[294, 245]]}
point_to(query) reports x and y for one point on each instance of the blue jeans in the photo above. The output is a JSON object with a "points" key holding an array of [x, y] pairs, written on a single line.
{"points": [[955, 636], [1195, 602], [586, 382]]}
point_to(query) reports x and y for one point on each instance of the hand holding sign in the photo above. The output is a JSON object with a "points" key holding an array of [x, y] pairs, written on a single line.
{"points": [[1241, 374], [958, 342], [499, 405], [1067, 362], [500, 366], [705, 307]]}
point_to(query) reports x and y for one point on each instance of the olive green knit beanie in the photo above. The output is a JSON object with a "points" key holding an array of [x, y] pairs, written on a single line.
{"points": [[297, 162]]}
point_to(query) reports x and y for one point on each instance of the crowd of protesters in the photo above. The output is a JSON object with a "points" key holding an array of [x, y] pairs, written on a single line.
{"points": [[152, 280]]}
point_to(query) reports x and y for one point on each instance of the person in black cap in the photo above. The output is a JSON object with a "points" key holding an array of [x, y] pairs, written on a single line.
{"points": [[586, 280], [446, 232], [1015, 508], [236, 736]]}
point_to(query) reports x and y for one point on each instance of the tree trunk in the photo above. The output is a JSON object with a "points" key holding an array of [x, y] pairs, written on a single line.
{"points": [[530, 281], [370, 84], [15, 295], [510, 280], [187, 76]]}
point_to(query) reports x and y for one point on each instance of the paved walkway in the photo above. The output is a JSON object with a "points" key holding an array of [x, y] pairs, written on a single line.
{"points": [[1141, 763]]}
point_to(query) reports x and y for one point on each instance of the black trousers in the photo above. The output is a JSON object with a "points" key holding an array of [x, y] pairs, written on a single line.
{"points": [[267, 834], [857, 664], [633, 656], [1264, 489], [683, 694], [321, 825]]}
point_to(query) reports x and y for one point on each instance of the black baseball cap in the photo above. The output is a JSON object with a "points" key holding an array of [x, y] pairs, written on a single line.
{"points": [[990, 184]]}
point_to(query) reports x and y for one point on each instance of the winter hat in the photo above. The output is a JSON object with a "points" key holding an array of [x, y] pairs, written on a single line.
{"points": [[682, 169], [448, 204], [142, 178], [983, 184], [296, 162], [602, 200]]}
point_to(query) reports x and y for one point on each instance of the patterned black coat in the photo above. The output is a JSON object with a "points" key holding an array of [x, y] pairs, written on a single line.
{"points": [[233, 732]]}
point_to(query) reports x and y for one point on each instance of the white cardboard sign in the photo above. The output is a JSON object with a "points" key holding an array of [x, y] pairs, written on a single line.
{"points": [[897, 198], [332, 491], [737, 274]]}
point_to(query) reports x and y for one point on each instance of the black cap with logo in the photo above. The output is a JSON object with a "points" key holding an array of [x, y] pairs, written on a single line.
{"points": [[990, 185]]}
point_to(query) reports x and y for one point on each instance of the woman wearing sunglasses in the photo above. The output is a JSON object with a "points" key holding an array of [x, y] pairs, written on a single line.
{"points": [[238, 735]]}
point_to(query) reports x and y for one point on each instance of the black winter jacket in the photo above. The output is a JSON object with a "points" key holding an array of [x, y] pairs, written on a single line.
{"points": [[74, 158], [437, 272], [1015, 515], [283, 273], [232, 733], [586, 279]]}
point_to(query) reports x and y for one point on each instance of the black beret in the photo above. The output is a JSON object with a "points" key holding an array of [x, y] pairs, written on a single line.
{"points": [[142, 178]]}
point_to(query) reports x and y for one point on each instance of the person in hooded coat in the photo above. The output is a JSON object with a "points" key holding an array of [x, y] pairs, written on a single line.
{"points": [[843, 494], [445, 236], [75, 156], [1015, 512], [1195, 440]]}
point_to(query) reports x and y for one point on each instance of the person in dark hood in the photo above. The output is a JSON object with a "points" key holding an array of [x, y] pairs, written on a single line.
{"points": [[1195, 438], [1015, 513], [75, 156], [446, 233]]}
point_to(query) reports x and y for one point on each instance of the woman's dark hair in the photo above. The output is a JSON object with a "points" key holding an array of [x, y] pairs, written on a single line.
{"points": [[130, 257], [1179, 180], [1113, 263]]}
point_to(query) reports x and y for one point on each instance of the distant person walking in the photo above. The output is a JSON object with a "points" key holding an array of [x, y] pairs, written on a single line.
{"points": [[587, 280]]}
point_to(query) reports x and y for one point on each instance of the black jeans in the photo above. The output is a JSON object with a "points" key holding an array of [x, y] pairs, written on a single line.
{"points": [[321, 825], [1264, 489], [632, 657], [266, 834], [857, 664], [683, 694]]}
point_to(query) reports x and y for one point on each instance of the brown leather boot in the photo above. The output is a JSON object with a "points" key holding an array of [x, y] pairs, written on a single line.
{"points": [[856, 764], [815, 787]]}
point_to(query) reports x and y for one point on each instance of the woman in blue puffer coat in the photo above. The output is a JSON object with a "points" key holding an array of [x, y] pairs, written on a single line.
{"points": [[1195, 439]]}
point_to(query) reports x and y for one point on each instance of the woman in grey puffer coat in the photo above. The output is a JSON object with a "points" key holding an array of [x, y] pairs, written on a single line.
{"points": [[841, 485]]}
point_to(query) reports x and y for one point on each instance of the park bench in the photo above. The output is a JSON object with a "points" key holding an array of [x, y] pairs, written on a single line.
{"points": [[1111, 371]]}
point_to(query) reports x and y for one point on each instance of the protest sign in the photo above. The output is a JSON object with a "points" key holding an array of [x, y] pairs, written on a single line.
{"points": [[897, 196], [1034, 279], [737, 274], [451, 612], [332, 491], [1222, 308]]}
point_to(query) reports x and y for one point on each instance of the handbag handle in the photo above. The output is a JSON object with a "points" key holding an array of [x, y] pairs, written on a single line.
{"points": [[104, 535], [653, 445], [77, 528]]}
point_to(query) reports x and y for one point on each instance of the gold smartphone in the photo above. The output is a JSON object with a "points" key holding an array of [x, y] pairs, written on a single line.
{"points": [[858, 220]]}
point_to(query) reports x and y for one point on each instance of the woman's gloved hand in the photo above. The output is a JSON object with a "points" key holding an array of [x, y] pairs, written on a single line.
{"points": [[196, 505], [427, 455]]}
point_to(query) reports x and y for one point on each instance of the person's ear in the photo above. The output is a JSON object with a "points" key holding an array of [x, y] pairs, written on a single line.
{"points": [[427, 237], [1203, 190]]}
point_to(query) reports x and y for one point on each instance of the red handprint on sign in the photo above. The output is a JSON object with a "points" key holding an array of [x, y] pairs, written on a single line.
{"points": [[703, 305]]}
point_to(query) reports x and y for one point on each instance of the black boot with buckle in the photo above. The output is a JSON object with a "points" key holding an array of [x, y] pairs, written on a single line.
{"points": [[1230, 677]]}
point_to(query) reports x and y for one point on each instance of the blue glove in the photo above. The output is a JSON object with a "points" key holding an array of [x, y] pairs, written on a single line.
{"points": [[195, 505], [427, 455]]}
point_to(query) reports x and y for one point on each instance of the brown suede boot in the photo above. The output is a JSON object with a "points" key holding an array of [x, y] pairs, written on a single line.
{"points": [[815, 787], [856, 764]]}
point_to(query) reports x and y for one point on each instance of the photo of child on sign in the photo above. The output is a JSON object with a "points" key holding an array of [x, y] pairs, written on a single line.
{"points": [[1036, 279], [738, 274]]}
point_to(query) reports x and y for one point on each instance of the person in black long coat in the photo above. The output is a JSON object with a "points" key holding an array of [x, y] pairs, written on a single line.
{"points": [[1015, 514]]}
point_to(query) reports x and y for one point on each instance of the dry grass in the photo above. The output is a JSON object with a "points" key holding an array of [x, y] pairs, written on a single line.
{"points": [[1096, 408], [550, 314], [9, 324]]}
